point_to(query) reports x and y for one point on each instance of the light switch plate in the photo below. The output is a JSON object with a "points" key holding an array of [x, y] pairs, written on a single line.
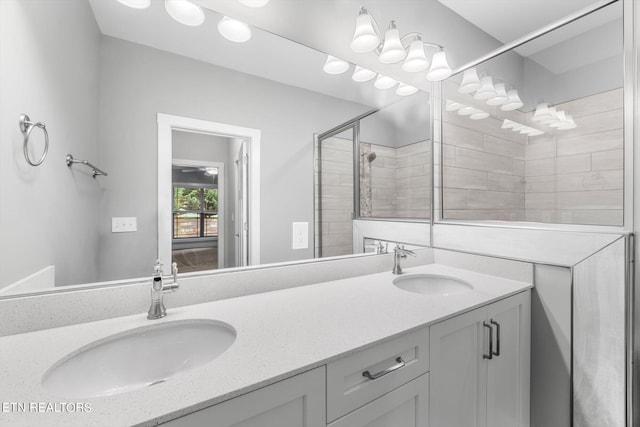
{"points": [[124, 224], [300, 235]]}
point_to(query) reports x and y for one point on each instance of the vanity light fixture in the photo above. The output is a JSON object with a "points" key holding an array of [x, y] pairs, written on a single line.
{"points": [[487, 90], [478, 115], [185, 12], [384, 82], [470, 81], [514, 101], [391, 49], [500, 96], [136, 4], [234, 30], [404, 89], [465, 110], [520, 128], [453, 105], [361, 74], [254, 3], [553, 117], [335, 65]]}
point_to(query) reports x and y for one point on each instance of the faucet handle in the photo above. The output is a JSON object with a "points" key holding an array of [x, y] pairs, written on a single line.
{"points": [[157, 268], [400, 250]]}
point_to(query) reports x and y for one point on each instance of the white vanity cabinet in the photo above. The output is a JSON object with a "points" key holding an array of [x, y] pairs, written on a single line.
{"points": [[298, 401], [479, 366]]}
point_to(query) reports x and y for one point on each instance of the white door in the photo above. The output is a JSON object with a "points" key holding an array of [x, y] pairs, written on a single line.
{"points": [[508, 371], [458, 371]]}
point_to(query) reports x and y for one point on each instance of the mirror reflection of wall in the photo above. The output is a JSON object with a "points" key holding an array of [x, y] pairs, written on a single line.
{"points": [[558, 156]]}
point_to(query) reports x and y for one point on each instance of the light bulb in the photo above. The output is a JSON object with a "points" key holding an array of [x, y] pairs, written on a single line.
{"points": [[234, 30], [416, 59], [365, 38], [335, 65], [361, 74], [487, 90], [392, 49], [136, 4], [384, 82], [254, 3], [405, 89], [470, 81], [500, 96], [185, 12], [440, 68]]}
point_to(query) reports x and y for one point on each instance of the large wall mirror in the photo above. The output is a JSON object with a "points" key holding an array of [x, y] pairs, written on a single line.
{"points": [[100, 74], [536, 134]]}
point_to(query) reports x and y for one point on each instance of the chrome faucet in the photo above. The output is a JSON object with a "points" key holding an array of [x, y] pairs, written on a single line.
{"points": [[399, 252], [158, 289]]}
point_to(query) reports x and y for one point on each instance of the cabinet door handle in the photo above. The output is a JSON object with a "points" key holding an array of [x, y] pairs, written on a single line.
{"points": [[497, 352], [399, 364], [490, 355]]}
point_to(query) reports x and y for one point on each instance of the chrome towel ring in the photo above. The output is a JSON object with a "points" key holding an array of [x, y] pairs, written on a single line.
{"points": [[26, 126]]}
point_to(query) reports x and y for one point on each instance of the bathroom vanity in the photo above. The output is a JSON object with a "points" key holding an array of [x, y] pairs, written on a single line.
{"points": [[361, 351]]}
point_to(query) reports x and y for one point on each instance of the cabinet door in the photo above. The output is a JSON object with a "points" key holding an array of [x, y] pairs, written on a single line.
{"points": [[458, 371], [508, 370], [405, 406], [295, 402]]}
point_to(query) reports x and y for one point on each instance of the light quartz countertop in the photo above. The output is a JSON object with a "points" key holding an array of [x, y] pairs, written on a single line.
{"points": [[279, 334]]}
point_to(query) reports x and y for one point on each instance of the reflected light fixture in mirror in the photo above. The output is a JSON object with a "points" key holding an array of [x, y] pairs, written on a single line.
{"points": [[234, 30], [384, 82], [470, 81], [514, 101], [254, 3], [405, 89], [487, 90], [335, 65], [136, 4], [185, 12], [500, 97], [361, 74]]}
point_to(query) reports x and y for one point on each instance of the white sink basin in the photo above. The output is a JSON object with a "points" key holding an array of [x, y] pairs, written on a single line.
{"points": [[432, 284], [138, 358]]}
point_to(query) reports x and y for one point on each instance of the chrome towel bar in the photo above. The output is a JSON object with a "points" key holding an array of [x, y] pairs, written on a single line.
{"points": [[94, 170]]}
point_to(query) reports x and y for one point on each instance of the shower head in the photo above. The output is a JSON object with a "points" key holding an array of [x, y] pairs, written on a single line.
{"points": [[371, 156]]}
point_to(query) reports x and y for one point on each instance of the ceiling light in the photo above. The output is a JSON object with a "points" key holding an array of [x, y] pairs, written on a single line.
{"points": [[335, 65], [514, 101], [234, 30], [405, 89], [185, 12], [416, 59], [365, 38], [487, 90], [392, 49], [470, 81], [361, 74], [500, 96], [254, 3], [384, 82], [136, 4], [440, 68]]}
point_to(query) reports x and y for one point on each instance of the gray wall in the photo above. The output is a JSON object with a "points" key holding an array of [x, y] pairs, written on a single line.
{"points": [[50, 73], [138, 82]]}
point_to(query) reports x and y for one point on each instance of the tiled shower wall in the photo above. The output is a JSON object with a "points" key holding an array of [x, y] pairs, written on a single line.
{"points": [[397, 184], [576, 176], [571, 176]]}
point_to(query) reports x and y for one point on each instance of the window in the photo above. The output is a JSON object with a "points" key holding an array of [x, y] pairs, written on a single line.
{"points": [[195, 212]]}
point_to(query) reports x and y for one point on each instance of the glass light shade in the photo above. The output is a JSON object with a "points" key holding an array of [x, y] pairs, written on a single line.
{"points": [[500, 96], [136, 4], [361, 74], [541, 112], [416, 59], [479, 115], [365, 38], [335, 65], [185, 12], [453, 105], [569, 123], [550, 116], [384, 82], [440, 68], [487, 90], [405, 90], [234, 30], [466, 111], [470, 81], [508, 124], [254, 3], [560, 118], [514, 101], [392, 49]]}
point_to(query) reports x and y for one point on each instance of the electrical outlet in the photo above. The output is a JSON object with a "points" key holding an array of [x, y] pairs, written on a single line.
{"points": [[300, 235], [124, 224]]}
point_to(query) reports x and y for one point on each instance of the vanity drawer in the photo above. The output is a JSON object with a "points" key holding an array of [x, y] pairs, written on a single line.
{"points": [[392, 364]]}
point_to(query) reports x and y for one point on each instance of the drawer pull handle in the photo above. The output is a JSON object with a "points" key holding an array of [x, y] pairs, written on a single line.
{"points": [[497, 352], [490, 355], [400, 364]]}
